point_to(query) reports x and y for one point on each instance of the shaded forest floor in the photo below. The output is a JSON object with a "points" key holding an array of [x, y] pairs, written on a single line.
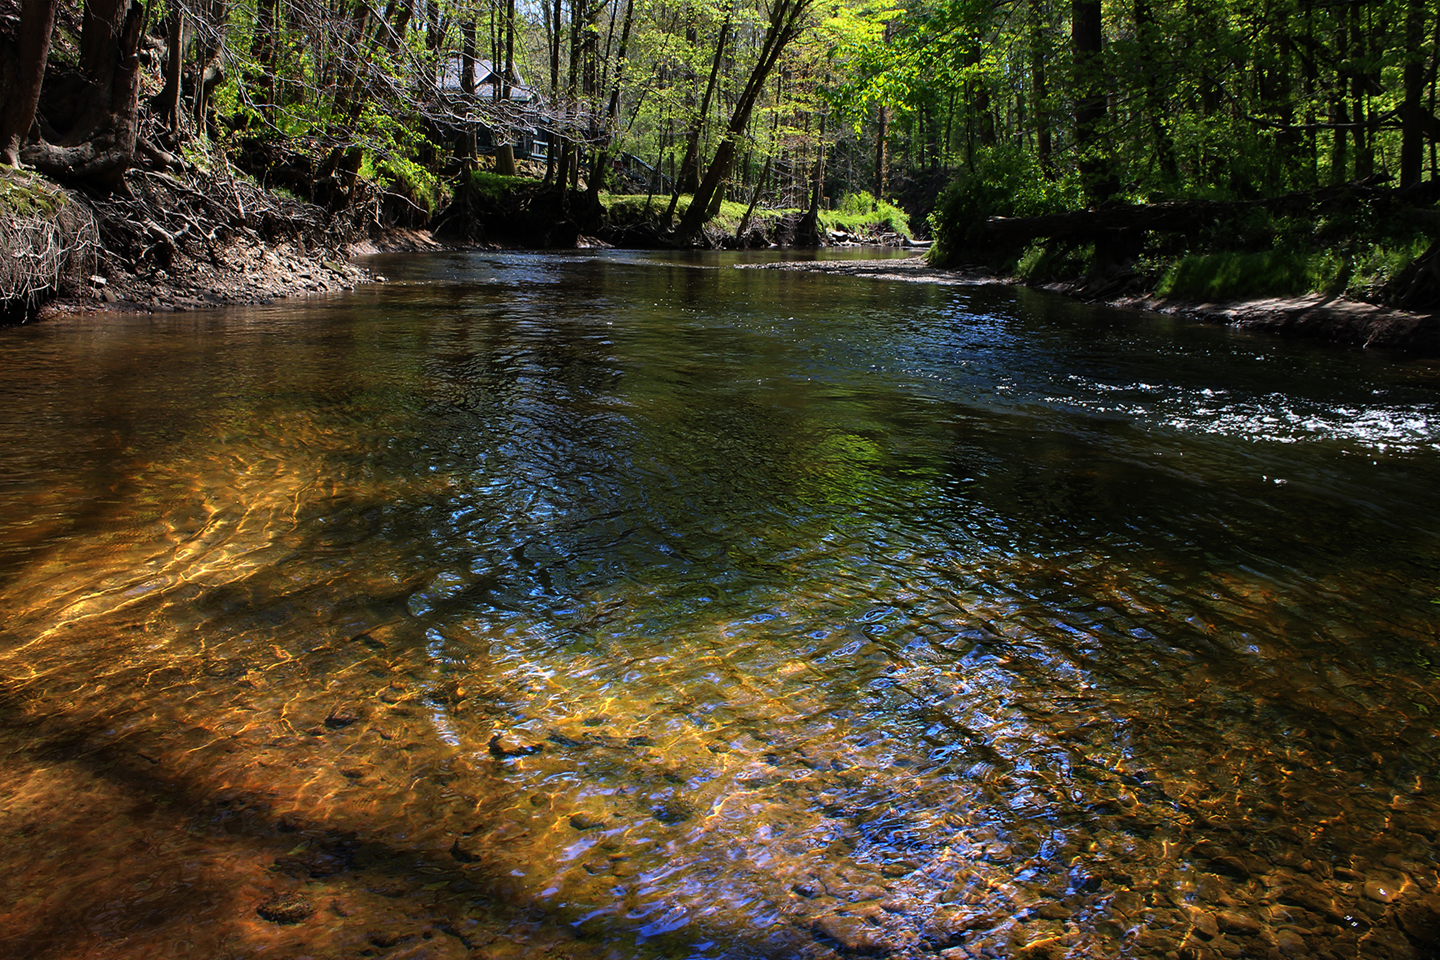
{"points": [[1315, 316]]}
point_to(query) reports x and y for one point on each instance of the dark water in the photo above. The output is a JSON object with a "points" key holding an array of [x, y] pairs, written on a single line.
{"points": [[605, 605]]}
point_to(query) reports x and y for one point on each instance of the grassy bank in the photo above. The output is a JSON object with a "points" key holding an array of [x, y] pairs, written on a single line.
{"points": [[858, 217]]}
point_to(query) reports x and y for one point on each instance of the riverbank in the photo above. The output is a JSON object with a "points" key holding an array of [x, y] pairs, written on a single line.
{"points": [[187, 240], [1314, 316]]}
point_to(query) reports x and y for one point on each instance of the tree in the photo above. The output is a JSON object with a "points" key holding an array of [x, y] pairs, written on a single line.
{"points": [[787, 17], [37, 21], [100, 145]]}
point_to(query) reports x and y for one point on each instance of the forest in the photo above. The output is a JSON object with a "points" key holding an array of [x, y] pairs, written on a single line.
{"points": [[1261, 146]]}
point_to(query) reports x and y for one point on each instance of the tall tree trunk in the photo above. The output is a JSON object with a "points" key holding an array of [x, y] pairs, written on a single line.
{"points": [[882, 151], [1339, 115], [552, 138], [1412, 132], [786, 20], [754, 201], [1086, 44], [170, 110], [612, 109], [208, 73], [505, 152], [980, 104], [264, 51], [808, 231], [689, 179], [1039, 81], [465, 138], [101, 146], [37, 22], [1364, 143], [467, 57]]}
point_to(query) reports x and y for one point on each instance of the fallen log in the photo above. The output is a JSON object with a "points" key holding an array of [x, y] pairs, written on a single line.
{"points": [[1179, 215]]}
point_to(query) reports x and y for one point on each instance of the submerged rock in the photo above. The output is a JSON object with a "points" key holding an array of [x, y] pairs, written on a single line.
{"points": [[673, 811], [286, 908], [505, 745], [341, 717]]}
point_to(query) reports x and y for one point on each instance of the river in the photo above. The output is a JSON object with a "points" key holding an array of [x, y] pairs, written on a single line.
{"points": [[627, 605]]}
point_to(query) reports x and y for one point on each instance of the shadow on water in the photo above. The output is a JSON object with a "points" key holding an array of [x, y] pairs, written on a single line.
{"points": [[514, 613], [310, 854]]}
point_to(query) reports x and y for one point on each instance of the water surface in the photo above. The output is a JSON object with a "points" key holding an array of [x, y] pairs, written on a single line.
{"points": [[629, 605]]}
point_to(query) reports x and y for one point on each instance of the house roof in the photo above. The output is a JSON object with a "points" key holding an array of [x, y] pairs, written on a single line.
{"points": [[487, 79]]}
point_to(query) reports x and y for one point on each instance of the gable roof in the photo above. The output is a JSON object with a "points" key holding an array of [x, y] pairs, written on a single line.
{"points": [[487, 80]]}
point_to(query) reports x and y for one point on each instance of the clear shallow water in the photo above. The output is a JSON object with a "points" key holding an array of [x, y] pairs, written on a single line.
{"points": [[617, 605]]}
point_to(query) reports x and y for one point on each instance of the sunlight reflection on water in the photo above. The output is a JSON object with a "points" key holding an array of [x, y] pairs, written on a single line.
{"points": [[603, 605]]}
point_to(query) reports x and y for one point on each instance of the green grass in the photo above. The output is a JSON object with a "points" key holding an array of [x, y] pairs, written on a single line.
{"points": [[1374, 265], [489, 184], [1235, 276], [1042, 262], [26, 195], [629, 207], [860, 213], [1361, 271]]}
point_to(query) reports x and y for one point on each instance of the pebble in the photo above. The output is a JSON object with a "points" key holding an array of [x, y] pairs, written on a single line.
{"points": [[340, 717], [286, 908], [1238, 923], [1204, 924], [505, 745], [1380, 892], [1290, 942], [853, 934]]}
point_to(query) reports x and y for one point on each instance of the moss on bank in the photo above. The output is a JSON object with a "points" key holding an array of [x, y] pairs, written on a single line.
{"points": [[47, 243]]}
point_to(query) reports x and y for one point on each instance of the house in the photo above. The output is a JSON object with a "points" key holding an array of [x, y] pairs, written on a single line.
{"points": [[523, 100]]}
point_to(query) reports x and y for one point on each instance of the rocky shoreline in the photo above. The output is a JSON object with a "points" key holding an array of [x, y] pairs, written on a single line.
{"points": [[1315, 316], [246, 271]]}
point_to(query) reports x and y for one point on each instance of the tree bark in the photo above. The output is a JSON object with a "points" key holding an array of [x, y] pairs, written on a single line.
{"points": [[101, 146], [1039, 53], [1412, 132], [882, 151], [174, 67], [37, 22], [688, 180], [208, 72], [1087, 37], [612, 109], [1156, 108], [265, 51]]}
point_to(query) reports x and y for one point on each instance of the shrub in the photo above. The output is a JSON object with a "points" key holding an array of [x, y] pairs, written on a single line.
{"points": [[1001, 182], [862, 213]]}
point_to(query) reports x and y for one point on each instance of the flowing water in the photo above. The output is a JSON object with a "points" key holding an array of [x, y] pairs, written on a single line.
{"points": [[631, 605]]}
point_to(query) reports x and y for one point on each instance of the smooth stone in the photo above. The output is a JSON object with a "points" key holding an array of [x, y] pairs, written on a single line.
{"points": [[1381, 892], [1239, 923], [286, 908]]}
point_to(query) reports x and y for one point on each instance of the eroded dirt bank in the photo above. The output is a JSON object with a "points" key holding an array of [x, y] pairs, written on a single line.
{"points": [[187, 240], [1315, 316]]}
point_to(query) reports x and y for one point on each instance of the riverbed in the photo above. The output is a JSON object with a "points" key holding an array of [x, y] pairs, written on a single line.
{"points": [[621, 604]]}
